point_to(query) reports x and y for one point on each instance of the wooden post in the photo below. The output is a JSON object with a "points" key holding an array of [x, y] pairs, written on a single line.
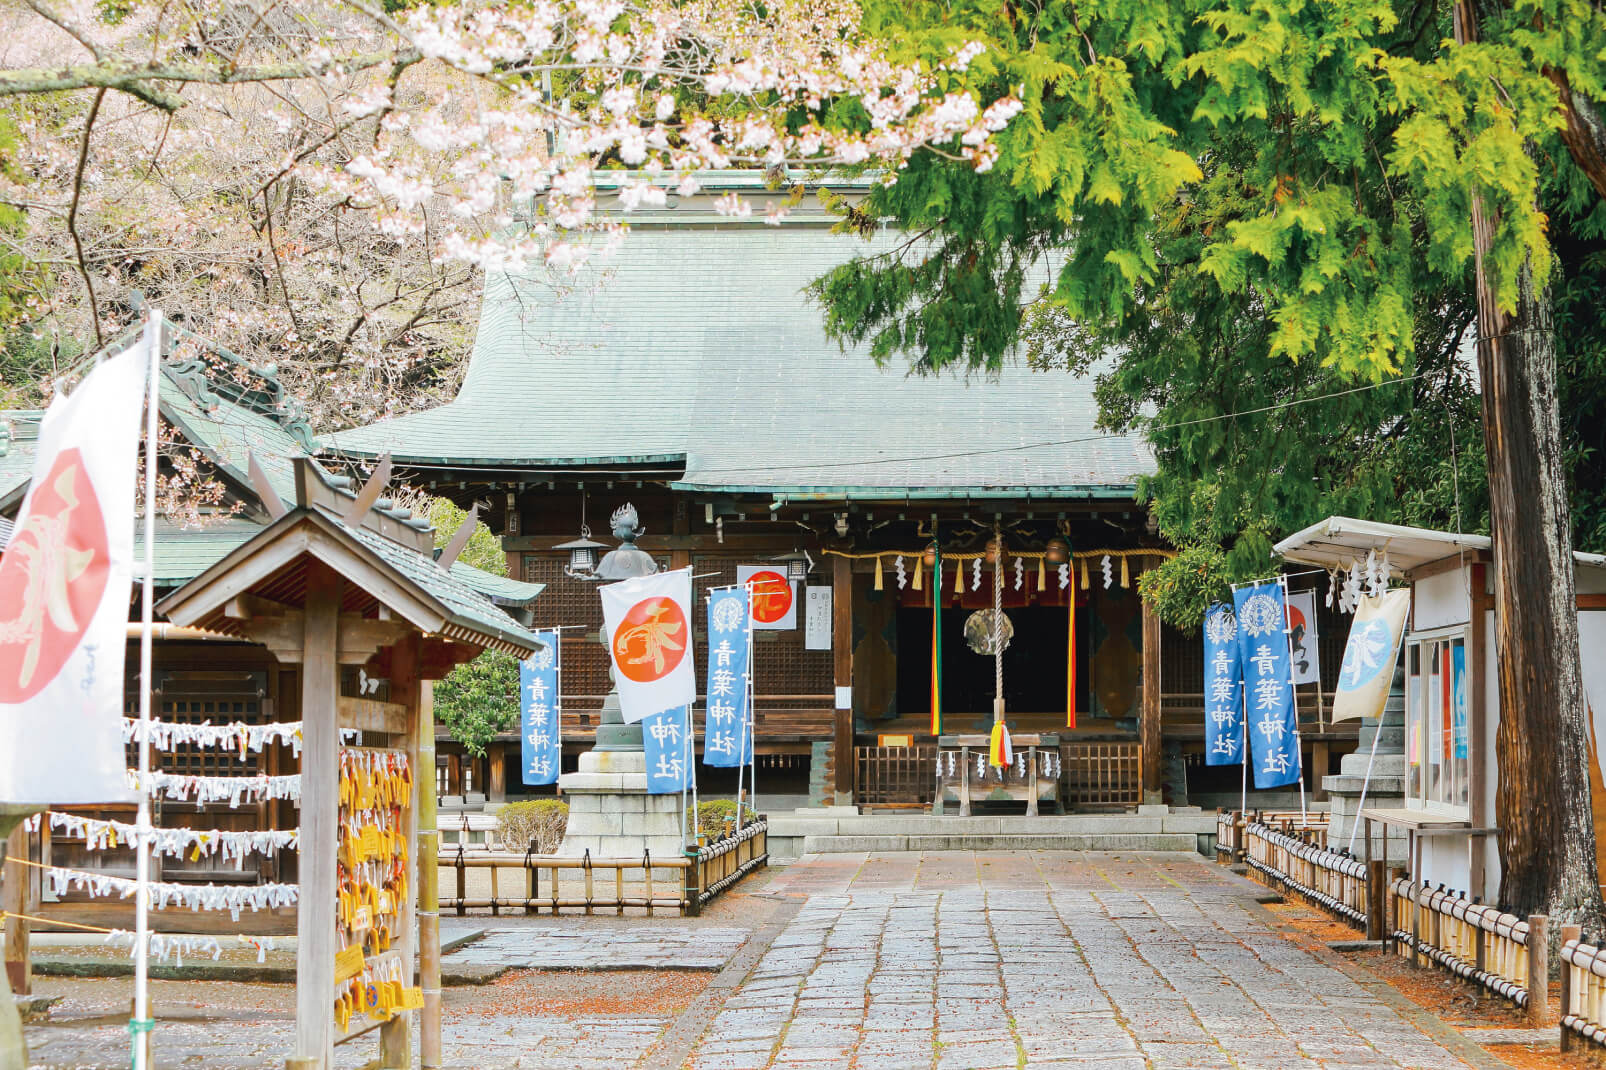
{"points": [[1568, 932], [1539, 971], [17, 882], [1149, 720], [1031, 787], [13, 1047], [429, 916], [395, 1036], [964, 782], [496, 773], [320, 803], [1318, 769], [842, 676], [1377, 882]]}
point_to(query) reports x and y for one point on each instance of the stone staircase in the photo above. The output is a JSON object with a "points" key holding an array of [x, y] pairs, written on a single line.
{"points": [[839, 829]]}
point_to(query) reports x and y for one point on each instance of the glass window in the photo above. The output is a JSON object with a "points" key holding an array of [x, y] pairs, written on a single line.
{"points": [[1436, 727]]}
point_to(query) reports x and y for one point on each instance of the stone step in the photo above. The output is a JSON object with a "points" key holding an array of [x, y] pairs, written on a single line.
{"points": [[1106, 841]]}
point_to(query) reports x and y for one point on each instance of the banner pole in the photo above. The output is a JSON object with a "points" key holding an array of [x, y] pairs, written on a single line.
{"points": [[691, 774], [139, 1027], [1299, 746], [1243, 702]]}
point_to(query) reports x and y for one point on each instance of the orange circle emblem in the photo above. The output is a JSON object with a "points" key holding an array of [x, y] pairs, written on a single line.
{"points": [[651, 641], [771, 594], [52, 576]]}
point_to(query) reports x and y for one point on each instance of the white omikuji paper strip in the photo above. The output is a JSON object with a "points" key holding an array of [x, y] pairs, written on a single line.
{"points": [[230, 789], [236, 735], [161, 894], [180, 843], [176, 945]]}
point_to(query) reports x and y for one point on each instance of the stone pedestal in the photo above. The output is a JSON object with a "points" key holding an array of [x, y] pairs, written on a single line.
{"points": [[610, 812], [1386, 789]]}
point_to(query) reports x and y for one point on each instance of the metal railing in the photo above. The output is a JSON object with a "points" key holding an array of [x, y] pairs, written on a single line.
{"points": [[557, 884], [1506, 954]]}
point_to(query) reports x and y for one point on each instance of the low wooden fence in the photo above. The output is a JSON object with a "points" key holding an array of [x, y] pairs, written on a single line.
{"points": [[1583, 990], [563, 884], [895, 776], [1102, 776], [726, 861], [1506, 954], [1331, 880]]}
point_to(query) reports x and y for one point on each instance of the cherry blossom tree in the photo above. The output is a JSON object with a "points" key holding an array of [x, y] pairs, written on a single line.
{"points": [[321, 185]]}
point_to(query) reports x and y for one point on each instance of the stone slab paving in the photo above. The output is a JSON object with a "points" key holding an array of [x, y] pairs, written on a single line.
{"points": [[971, 960], [572, 944], [941, 961]]}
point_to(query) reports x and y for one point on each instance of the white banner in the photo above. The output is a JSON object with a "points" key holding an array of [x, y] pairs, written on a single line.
{"points": [[65, 585], [817, 623], [1302, 637], [648, 624], [774, 596], [1370, 655]]}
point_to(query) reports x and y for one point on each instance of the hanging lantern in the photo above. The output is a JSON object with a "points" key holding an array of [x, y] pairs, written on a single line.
{"points": [[797, 565], [582, 554], [1058, 551]]}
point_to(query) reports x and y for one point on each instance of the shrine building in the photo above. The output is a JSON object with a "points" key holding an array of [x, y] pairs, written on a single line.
{"points": [[688, 374]]}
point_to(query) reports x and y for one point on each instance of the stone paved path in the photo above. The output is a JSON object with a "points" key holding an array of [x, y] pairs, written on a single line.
{"points": [[958, 960], [942, 961], [572, 944]]}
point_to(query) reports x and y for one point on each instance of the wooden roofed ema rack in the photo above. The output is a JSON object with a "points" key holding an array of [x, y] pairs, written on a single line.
{"points": [[336, 578]]}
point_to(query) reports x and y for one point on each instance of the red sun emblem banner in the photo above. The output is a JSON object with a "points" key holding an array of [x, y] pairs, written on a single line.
{"points": [[648, 624], [64, 594], [51, 579], [774, 597], [651, 640]]}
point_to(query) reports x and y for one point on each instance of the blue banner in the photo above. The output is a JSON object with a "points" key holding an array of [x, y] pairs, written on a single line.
{"points": [[1223, 688], [1268, 684], [728, 728], [540, 735], [666, 737]]}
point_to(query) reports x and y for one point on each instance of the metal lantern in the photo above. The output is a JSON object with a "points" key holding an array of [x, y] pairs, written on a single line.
{"points": [[1058, 551], [582, 555], [797, 564]]}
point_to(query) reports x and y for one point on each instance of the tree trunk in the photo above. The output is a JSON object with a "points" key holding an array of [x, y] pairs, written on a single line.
{"points": [[1542, 801]]}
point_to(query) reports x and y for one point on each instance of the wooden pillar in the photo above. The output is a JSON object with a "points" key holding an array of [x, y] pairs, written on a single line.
{"points": [[320, 803], [842, 677], [429, 918], [496, 772], [1149, 717], [395, 1036], [17, 882], [1320, 757]]}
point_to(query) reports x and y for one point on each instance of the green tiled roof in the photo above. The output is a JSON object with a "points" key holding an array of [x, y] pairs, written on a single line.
{"points": [[230, 432], [695, 346], [184, 553], [467, 605], [499, 589], [19, 430]]}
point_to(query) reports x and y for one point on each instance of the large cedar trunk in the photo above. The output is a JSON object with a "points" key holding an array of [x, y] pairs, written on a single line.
{"points": [[1542, 801]]}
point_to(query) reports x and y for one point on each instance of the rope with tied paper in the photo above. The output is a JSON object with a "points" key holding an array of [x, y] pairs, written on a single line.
{"points": [[234, 790], [177, 843], [162, 894]]}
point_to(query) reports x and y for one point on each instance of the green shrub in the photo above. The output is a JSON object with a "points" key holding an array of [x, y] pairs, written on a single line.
{"points": [[538, 820], [713, 814]]}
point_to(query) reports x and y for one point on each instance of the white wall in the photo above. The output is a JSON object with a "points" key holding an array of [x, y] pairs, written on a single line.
{"points": [[1442, 600]]}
